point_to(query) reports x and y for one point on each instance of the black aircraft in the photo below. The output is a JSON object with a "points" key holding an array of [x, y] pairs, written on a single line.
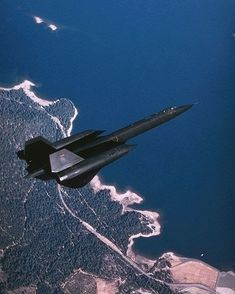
{"points": [[75, 160]]}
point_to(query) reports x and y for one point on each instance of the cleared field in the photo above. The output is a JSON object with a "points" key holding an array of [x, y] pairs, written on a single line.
{"points": [[195, 272]]}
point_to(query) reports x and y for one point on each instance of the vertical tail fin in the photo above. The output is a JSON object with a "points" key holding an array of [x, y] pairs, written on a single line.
{"points": [[36, 150]]}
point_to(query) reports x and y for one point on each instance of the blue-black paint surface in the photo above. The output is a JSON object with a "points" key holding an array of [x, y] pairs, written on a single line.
{"points": [[119, 61]]}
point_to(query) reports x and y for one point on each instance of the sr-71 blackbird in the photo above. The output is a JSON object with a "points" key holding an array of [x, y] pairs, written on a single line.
{"points": [[75, 160]]}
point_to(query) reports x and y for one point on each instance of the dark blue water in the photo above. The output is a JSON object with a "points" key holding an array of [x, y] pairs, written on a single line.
{"points": [[121, 60]]}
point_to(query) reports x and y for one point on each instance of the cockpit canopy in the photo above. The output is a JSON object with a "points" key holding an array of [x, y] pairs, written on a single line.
{"points": [[167, 110]]}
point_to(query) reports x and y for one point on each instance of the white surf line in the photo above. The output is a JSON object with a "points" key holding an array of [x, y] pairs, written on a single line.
{"points": [[105, 240], [26, 87], [69, 131], [153, 225], [58, 123], [125, 200]]}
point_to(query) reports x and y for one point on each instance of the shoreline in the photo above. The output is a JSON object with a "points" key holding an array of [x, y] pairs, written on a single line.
{"points": [[125, 199], [26, 86]]}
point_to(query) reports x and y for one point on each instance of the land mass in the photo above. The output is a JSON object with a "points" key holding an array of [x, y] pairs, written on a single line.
{"points": [[59, 240]]}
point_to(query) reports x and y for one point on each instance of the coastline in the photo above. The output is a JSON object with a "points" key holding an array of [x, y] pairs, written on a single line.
{"points": [[125, 200], [26, 86]]}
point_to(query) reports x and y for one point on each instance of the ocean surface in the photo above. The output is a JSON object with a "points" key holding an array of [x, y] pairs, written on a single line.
{"points": [[119, 61]]}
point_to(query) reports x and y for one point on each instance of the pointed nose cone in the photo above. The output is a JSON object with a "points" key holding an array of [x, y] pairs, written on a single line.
{"points": [[183, 108]]}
